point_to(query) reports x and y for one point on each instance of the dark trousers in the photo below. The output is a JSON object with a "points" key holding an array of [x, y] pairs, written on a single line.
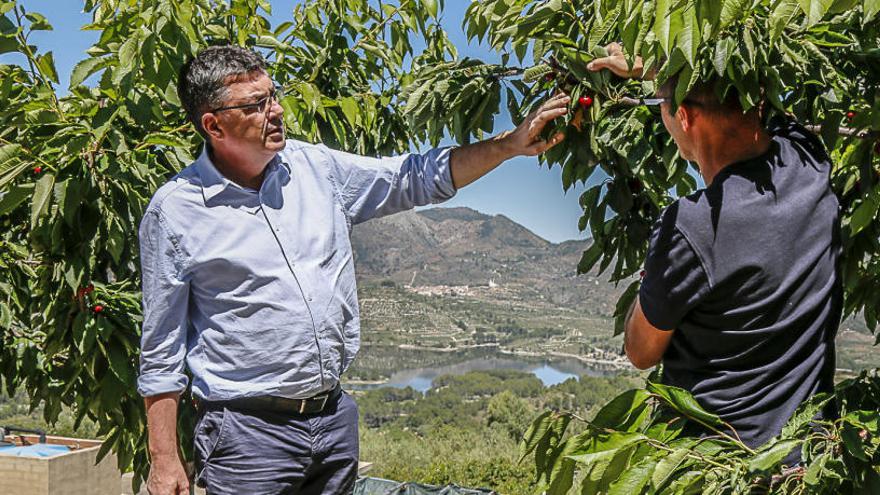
{"points": [[248, 452]]}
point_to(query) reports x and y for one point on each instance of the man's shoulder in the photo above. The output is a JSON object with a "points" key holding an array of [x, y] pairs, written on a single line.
{"points": [[688, 213], [182, 188], [294, 149], [788, 132]]}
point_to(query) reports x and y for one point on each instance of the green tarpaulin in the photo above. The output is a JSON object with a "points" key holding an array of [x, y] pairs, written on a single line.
{"points": [[378, 486]]}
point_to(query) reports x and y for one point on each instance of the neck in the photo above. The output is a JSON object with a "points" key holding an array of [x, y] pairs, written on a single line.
{"points": [[244, 170], [726, 145]]}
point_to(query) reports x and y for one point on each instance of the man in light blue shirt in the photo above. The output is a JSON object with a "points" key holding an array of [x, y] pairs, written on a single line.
{"points": [[248, 282]]}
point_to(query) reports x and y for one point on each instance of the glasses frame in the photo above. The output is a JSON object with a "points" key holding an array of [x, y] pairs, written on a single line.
{"points": [[262, 105]]}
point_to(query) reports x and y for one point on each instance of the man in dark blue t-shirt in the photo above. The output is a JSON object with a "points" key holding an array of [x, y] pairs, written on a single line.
{"points": [[742, 294]]}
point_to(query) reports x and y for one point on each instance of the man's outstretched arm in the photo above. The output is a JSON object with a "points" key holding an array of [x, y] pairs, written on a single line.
{"points": [[370, 187], [470, 162], [644, 343]]}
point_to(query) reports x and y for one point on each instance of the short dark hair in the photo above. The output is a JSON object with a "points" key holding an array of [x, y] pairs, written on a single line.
{"points": [[705, 94], [203, 80]]}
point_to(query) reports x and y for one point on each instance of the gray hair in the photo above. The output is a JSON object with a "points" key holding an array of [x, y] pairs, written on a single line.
{"points": [[202, 84]]}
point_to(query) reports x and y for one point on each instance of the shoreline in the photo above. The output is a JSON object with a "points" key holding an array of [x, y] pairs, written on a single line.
{"points": [[621, 365]]}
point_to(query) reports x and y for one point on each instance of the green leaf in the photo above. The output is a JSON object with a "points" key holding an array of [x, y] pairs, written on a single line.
{"points": [[42, 197], [166, 139], [723, 50], [589, 258], [667, 466], [85, 68], [870, 9], [813, 474], [614, 414], [781, 17], [667, 24], [683, 402], [805, 414], [815, 9], [865, 213], [46, 65], [732, 10], [430, 6], [535, 433], [38, 22], [108, 444], [350, 109], [120, 364], [599, 446], [623, 304], [10, 199], [635, 478], [853, 442], [769, 458], [689, 37], [8, 152]]}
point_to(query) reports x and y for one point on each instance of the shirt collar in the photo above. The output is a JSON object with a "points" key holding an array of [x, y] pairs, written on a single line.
{"points": [[213, 182]]}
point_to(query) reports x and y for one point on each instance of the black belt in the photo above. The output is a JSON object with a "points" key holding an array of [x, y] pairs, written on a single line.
{"points": [[311, 405]]}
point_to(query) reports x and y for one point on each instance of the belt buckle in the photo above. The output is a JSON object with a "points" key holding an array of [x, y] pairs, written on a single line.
{"points": [[323, 398]]}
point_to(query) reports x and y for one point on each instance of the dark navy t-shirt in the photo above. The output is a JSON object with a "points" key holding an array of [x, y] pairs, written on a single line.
{"points": [[746, 273]]}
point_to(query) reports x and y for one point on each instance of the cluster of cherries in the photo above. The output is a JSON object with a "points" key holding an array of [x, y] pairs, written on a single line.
{"points": [[584, 101], [84, 291]]}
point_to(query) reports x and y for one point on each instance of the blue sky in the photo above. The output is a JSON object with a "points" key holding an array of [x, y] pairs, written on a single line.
{"points": [[518, 189]]}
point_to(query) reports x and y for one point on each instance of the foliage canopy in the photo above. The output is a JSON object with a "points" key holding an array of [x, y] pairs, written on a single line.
{"points": [[76, 172]]}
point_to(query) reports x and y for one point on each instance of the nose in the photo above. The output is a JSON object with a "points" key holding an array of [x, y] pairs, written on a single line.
{"points": [[275, 110]]}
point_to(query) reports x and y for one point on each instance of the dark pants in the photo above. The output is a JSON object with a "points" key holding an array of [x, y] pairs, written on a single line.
{"points": [[247, 452]]}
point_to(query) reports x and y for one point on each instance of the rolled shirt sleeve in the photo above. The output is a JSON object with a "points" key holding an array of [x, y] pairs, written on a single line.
{"points": [[675, 280], [165, 302], [375, 187]]}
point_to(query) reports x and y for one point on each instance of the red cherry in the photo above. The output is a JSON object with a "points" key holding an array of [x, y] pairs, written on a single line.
{"points": [[38, 169], [850, 115], [642, 274], [585, 101], [98, 308]]}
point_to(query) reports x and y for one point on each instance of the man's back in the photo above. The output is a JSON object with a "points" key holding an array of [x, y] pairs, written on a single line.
{"points": [[748, 268]]}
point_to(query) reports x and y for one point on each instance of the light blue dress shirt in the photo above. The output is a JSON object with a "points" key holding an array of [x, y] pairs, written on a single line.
{"points": [[255, 290]]}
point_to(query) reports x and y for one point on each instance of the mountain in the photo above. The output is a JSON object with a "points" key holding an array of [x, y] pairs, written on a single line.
{"points": [[517, 282], [461, 246]]}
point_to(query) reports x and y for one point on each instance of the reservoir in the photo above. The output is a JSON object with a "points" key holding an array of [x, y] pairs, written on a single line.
{"points": [[550, 372]]}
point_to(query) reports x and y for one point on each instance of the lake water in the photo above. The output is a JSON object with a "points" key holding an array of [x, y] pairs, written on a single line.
{"points": [[549, 372]]}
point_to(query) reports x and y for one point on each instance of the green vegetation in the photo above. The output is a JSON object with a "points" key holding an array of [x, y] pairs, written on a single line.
{"points": [[466, 429], [76, 172], [814, 60], [16, 411]]}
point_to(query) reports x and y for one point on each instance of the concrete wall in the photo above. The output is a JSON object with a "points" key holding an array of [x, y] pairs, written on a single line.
{"points": [[73, 473]]}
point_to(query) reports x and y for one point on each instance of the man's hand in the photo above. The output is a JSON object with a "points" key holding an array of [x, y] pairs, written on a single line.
{"points": [[616, 63], [167, 476], [526, 138]]}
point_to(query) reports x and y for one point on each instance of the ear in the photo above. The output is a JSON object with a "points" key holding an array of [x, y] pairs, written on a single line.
{"points": [[685, 116], [211, 125]]}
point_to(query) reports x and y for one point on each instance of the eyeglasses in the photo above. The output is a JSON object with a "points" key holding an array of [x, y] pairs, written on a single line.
{"points": [[653, 104], [262, 105]]}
